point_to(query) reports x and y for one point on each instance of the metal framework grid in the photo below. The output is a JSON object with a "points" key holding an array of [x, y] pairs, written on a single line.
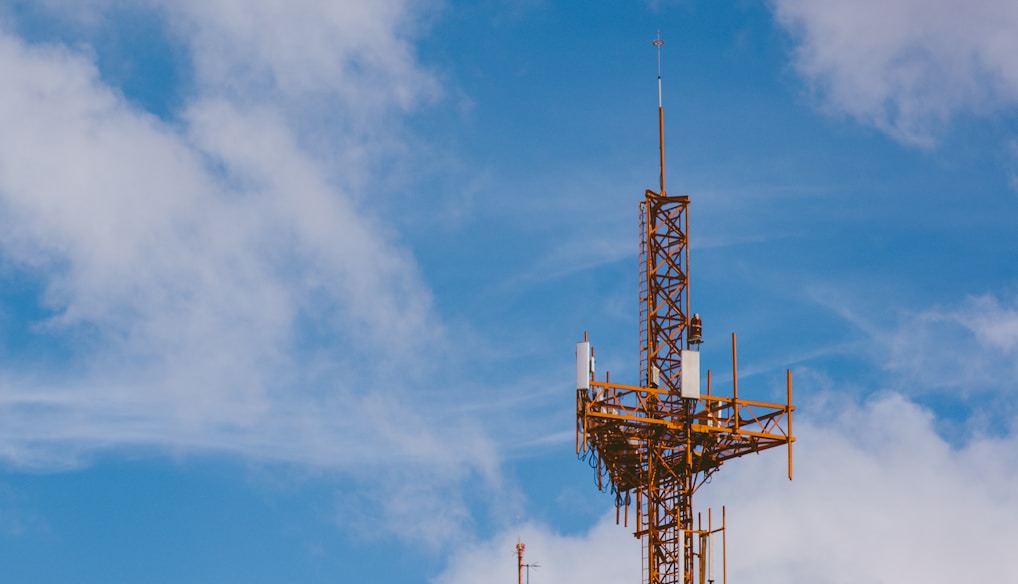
{"points": [[651, 442]]}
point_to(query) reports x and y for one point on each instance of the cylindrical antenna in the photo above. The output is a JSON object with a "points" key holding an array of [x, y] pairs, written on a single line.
{"points": [[660, 111]]}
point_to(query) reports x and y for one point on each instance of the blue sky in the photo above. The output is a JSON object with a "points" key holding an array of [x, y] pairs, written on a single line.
{"points": [[290, 289]]}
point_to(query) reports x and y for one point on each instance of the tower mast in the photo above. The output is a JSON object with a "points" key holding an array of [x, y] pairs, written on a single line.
{"points": [[519, 559], [520, 565], [660, 440], [660, 111]]}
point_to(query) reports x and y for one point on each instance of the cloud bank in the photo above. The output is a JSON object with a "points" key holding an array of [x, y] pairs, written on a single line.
{"points": [[878, 496]]}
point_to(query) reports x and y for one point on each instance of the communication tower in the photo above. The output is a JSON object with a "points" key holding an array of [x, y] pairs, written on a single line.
{"points": [[520, 546], [660, 440]]}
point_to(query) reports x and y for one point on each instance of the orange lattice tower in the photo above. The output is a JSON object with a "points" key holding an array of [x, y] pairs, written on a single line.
{"points": [[661, 440]]}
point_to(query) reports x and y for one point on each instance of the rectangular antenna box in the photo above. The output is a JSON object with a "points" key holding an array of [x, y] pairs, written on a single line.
{"points": [[689, 379], [583, 365]]}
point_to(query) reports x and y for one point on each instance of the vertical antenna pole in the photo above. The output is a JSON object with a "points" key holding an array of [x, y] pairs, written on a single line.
{"points": [[519, 559], [686, 323], [700, 558], [660, 112], [735, 385], [724, 547], [789, 373], [711, 563]]}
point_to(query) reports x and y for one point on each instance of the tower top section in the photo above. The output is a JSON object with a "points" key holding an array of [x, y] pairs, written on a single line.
{"points": [[658, 42]]}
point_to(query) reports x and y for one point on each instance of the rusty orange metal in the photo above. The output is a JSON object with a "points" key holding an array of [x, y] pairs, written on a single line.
{"points": [[649, 443]]}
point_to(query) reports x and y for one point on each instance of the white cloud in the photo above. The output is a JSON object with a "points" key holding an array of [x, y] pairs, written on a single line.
{"points": [[907, 66], [217, 285], [606, 554], [356, 51], [231, 229], [878, 496], [360, 52]]}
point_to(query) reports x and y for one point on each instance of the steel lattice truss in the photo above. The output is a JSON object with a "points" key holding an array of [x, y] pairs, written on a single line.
{"points": [[649, 442], [663, 287]]}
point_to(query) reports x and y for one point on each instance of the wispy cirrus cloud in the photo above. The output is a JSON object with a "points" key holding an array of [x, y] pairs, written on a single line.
{"points": [[1012, 154], [967, 348]]}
